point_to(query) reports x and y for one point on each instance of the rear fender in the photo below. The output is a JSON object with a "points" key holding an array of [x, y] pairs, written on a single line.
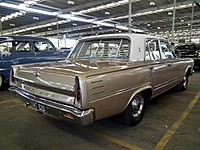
{"points": [[141, 90]]}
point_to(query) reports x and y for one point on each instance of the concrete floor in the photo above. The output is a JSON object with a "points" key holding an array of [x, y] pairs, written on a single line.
{"points": [[22, 128]]}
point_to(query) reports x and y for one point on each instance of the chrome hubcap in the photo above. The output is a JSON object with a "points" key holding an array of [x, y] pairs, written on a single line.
{"points": [[137, 105]]}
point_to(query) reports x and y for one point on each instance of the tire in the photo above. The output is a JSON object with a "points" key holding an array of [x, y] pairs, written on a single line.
{"points": [[183, 85], [134, 112]]}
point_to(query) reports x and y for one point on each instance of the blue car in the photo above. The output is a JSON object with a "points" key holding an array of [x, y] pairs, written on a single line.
{"points": [[25, 49]]}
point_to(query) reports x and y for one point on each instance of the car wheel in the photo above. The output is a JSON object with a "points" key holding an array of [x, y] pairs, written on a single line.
{"points": [[183, 85], [134, 112]]}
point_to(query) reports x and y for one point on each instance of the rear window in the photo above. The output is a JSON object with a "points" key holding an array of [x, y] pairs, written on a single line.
{"points": [[102, 48]]}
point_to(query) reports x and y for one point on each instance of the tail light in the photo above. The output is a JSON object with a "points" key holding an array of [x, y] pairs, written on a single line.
{"points": [[77, 90]]}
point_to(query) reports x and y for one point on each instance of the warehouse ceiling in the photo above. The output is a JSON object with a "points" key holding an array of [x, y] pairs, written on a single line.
{"points": [[76, 18]]}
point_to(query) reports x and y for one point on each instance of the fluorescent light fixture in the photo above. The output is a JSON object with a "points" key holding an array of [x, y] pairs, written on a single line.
{"points": [[150, 12], [12, 16], [152, 3], [107, 13], [36, 18], [102, 7], [24, 8], [12, 25], [66, 16], [70, 2], [38, 27], [169, 13]]}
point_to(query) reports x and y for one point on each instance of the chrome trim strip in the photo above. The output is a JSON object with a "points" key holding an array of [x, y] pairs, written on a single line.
{"points": [[44, 87]]}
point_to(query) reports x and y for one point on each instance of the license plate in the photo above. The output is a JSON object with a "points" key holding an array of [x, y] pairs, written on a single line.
{"points": [[39, 107]]}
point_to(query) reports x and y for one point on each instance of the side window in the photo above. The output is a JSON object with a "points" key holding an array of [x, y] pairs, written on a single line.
{"points": [[166, 53], [152, 50], [43, 47], [22, 46], [6, 47]]}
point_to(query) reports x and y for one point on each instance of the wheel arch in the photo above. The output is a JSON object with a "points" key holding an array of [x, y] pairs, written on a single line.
{"points": [[145, 91], [188, 71]]}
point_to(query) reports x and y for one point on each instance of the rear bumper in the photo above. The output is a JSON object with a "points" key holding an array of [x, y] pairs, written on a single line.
{"points": [[63, 111]]}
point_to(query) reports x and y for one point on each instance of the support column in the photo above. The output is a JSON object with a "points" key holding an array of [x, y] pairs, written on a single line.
{"points": [[58, 32], [129, 17], [191, 24], [173, 22], [1, 26]]}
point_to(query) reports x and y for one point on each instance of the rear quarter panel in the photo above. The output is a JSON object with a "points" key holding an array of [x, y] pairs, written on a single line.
{"points": [[110, 93]]}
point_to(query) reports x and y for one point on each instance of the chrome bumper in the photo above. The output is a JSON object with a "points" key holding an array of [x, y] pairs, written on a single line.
{"points": [[63, 111]]}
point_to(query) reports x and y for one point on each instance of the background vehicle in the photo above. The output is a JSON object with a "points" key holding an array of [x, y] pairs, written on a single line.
{"points": [[189, 51], [24, 49]]}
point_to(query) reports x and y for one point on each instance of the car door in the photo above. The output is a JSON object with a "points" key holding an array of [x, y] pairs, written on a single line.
{"points": [[175, 68], [45, 51], [158, 67]]}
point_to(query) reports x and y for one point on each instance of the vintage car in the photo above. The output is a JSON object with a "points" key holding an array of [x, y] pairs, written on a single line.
{"points": [[24, 49], [103, 76], [189, 51]]}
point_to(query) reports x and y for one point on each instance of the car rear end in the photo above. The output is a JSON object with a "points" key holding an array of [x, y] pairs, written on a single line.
{"points": [[60, 97]]}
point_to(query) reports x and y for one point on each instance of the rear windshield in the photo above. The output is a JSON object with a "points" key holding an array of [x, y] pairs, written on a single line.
{"points": [[102, 48]]}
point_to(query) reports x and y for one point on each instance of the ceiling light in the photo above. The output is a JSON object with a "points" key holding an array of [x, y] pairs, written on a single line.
{"points": [[24, 8], [158, 27], [182, 20], [36, 18], [152, 3], [49, 29], [169, 13], [12, 25], [74, 24], [148, 25], [107, 13], [189, 24], [101, 7], [70, 2]]}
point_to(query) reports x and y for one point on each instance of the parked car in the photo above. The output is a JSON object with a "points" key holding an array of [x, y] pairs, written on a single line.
{"points": [[103, 76], [24, 49], [189, 51]]}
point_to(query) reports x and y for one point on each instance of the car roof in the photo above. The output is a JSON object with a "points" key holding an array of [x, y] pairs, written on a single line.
{"points": [[21, 38], [119, 35]]}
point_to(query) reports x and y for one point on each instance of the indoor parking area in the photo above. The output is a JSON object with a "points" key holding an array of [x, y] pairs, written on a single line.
{"points": [[99, 75]]}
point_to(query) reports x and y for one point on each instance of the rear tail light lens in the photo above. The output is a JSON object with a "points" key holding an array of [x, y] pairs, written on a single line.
{"points": [[77, 90]]}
